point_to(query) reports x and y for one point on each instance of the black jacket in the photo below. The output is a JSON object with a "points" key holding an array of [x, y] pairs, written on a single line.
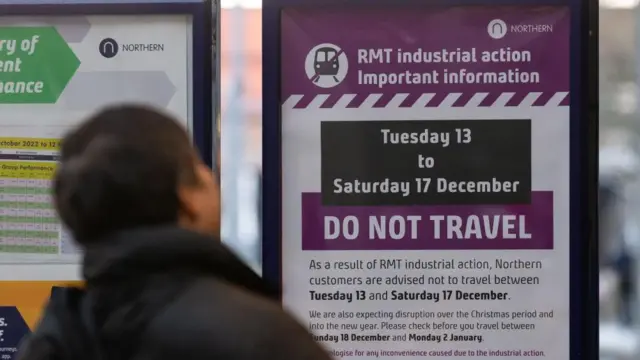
{"points": [[167, 293]]}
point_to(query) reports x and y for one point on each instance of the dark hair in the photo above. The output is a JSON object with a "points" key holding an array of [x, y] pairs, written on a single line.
{"points": [[121, 169]]}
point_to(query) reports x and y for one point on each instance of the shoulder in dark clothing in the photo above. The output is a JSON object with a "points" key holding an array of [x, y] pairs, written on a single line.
{"points": [[239, 326], [168, 293]]}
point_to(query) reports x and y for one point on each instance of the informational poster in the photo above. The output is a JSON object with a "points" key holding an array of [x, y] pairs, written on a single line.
{"points": [[425, 180], [17, 321], [55, 72]]}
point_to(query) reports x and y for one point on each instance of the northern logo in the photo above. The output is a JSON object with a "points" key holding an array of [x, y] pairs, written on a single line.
{"points": [[497, 29], [108, 48]]}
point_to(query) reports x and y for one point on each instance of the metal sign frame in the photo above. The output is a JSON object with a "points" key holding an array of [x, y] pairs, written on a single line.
{"points": [[583, 150], [202, 75]]}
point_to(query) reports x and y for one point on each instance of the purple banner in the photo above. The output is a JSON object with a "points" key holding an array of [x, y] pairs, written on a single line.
{"points": [[484, 227], [426, 51]]}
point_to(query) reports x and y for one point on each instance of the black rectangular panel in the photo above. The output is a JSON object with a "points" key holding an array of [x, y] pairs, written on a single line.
{"points": [[411, 162]]}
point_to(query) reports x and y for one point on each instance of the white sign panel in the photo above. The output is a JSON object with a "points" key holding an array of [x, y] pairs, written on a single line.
{"points": [[55, 72], [425, 165]]}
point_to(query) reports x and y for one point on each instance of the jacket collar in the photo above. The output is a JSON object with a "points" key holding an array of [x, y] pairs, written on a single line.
{"points": [[147, 251]]}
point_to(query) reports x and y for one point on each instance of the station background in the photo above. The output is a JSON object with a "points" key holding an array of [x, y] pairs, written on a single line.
{"points": [[241, 130]]}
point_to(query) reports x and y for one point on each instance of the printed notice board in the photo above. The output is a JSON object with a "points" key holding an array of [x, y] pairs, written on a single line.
{"points": [[56, 71], [21, 304], [60, 61], [426, 179], [59, 68]]}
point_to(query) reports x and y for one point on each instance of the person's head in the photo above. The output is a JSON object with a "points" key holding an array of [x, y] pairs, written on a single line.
{"points": [[129, 167]]}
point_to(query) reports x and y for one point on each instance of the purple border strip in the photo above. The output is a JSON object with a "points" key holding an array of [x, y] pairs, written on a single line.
{"points": [[489, 100]]}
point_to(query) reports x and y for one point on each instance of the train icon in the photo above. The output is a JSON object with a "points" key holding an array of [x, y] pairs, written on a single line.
{"points": [[326, 65]]}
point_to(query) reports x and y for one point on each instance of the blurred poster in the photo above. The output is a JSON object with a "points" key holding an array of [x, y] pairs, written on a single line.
{"points": [[57, 70], [425, 171], [21, 304]]}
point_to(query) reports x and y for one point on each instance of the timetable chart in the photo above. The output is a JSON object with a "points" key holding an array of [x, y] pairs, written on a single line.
{"points": [[28, 221]]}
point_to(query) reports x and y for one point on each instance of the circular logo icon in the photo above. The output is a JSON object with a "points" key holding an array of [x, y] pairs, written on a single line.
{"points": [[108, 48], [497, 29], [326, 65]]}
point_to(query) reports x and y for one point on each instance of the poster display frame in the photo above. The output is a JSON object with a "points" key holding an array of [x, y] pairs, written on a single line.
{"points": [[27, 298], [203, 127], [583, 149]]}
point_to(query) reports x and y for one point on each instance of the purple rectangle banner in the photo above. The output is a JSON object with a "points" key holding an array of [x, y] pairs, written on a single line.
{"points": [[465, 227], [419, 56]]}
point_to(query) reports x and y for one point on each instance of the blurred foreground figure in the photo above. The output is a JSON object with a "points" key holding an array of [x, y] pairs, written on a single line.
{"points": [[159, 284]]}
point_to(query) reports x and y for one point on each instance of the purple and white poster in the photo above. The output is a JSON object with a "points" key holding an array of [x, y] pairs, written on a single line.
{"points": [[425, 167]]}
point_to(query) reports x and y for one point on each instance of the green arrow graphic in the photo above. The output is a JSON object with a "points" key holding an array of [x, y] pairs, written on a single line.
{"points": [[35, 65]]}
